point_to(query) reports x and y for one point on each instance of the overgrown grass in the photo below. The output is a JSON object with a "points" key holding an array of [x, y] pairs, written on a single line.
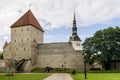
{"points": [[97, 76], [18, 76]]}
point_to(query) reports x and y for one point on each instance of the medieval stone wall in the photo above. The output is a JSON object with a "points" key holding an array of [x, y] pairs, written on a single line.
{"points": [[7, 52], [59, 55]]}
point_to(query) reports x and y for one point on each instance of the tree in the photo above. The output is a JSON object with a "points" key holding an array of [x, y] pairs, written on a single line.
{"points": [[107, 43], [1, 56]]}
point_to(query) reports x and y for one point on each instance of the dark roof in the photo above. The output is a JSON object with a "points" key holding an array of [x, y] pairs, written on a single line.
{"points": [[27, 19]]}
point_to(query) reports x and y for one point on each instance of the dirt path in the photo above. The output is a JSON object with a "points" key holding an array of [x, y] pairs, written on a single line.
{"points": [[59, 77]]}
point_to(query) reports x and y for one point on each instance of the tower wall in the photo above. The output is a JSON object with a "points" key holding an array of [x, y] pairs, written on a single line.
{"points": [[22, 40], [26, 34], [76, 45]]}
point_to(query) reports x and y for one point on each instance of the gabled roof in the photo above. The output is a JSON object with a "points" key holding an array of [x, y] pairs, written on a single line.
{"points": [[5, 45], [27, 19]]}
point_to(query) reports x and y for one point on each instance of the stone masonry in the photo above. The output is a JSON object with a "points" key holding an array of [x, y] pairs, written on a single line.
{"points": [[27, 37], [57, 54]]}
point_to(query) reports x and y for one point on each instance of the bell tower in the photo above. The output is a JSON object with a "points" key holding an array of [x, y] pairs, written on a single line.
{"points": [[74, 39]]}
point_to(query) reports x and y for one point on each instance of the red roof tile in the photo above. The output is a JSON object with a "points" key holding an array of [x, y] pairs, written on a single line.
{"points": [[5, 45], [27, 19]]}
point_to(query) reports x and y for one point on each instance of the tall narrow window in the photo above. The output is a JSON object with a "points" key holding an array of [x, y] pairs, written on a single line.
{"points": [[27, 39], [16, 49], [27, 29], [22, 40], [78, 44], [24, 49], [22, 30]]}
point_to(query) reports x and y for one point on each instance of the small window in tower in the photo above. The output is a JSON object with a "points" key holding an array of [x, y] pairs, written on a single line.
{"points": [[22, 40], [34, 40], [27, 39], [9, 48], [78, 44], [15, 30], [24, 49], [22, 30], [16, 49], [14, 40], [27, 29]]}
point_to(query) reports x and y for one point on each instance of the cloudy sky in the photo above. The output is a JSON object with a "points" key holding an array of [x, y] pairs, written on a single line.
{"points": [[56, 16]]}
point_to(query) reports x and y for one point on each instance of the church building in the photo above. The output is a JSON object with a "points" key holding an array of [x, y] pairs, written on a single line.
{"points": [[29, 51]]}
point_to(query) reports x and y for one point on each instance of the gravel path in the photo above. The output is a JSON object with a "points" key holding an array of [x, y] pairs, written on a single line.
{"points": [[59, 77]]}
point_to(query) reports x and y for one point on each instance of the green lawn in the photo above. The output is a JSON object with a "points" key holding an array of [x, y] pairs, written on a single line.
{"points": [[97, 76], [24, 77], [78, 76]]}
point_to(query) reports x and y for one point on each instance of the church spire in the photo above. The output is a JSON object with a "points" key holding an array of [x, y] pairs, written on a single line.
{"points": [[74, 36], [74, 17], [74, 29]]}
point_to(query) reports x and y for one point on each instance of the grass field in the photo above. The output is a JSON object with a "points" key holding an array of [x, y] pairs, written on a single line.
{"points": [[24, 77], [78, 76], [97, 76]]}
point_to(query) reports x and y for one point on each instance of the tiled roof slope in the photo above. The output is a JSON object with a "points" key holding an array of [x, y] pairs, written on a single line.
{"points": [[27, 19]]}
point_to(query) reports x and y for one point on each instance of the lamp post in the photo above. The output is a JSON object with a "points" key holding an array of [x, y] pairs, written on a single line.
{"points": [[85, 69]]}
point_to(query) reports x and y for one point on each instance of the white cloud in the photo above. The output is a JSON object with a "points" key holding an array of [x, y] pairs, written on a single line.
{"points": [[98, 11], [58, 13], [48, 36]]}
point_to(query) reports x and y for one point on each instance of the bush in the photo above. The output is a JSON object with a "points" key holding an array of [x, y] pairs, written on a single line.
{"points": [[95, 68], [1, 56]]}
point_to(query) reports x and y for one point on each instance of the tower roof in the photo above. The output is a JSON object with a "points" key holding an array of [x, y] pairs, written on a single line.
{"points": [[74, 36], [27, 19]]}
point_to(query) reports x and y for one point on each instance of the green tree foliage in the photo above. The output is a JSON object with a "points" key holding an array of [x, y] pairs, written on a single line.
{"points": [[104, 46]]}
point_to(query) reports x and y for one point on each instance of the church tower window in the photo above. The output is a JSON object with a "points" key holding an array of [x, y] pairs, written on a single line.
{"points": [[16, 49], [77, 44]]}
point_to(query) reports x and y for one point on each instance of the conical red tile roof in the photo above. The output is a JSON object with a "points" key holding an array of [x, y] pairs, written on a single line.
{"points": [[27, 19]]}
